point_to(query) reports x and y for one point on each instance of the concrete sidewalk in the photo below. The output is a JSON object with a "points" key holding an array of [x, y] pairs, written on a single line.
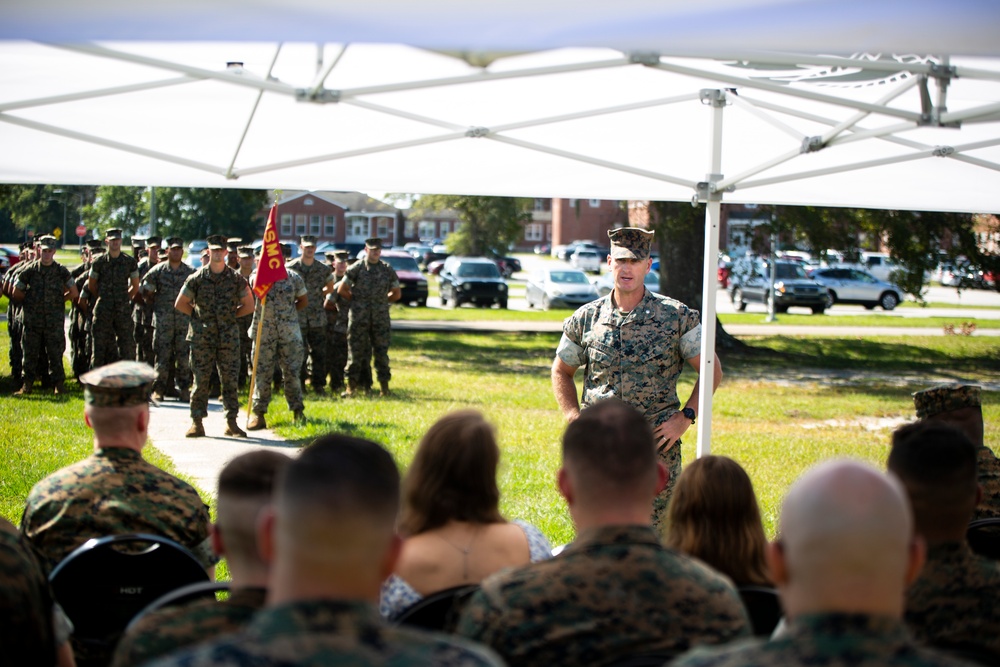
{"points": [[203, 458]]}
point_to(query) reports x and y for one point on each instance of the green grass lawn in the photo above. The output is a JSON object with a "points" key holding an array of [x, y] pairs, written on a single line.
{"points": [[784, 405]]}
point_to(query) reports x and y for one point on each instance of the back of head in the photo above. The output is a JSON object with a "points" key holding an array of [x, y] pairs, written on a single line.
{"points": [[246, 485], [609, 453], [959, 405], [336, 504], [846, 534], [937, 465], [714, 517], [453, 475]]}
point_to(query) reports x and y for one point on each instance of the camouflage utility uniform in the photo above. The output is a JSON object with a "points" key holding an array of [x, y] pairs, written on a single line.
{"points": [[336, 340], [79, 326], [26, 633], [280, 342], [170, 326], [112, 318], [826, 640], [142, 320], [614, 591], [111, 492], [332, 634], [368, 328], [15, 322], [44, 316], [956, 599], [312, 318], [636, 358], [214, 336], [170, 629]]}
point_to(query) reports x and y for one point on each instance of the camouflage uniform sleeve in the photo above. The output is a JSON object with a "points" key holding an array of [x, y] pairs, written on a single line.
{"points": [[300, 285], [351, 275], [571, 349], [690, 329], [134, 273], [477, 620], [67, 278], [190, 288], [393, 278]]}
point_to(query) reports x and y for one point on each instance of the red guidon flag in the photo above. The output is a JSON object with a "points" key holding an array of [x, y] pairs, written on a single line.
{"points": [[271, 267]]}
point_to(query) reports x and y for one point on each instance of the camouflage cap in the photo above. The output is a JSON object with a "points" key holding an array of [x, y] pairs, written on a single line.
{"points": [[48, 242], [286, 249], [307, 241], [216, 242], [245, 251], [373, 243], [161, 253], [342, 254], [94, 244], [118, 385], [113, 234], [945, 398], [233, 244], [154, 241], [98, 251], [630, 243], [175, 242]]}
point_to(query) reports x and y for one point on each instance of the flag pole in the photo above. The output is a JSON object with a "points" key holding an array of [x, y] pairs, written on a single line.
{"points": [[256, 355]]}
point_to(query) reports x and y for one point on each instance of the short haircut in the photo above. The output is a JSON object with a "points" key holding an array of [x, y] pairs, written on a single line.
{"points": [[609, 446], [714, 516], [246, 484], [937, 464], [453, 476], [341, 476]]}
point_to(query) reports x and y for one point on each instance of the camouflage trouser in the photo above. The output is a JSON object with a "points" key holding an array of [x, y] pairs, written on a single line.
{"points": [[79, 341], [314, 339], [336, 357], [48, 341], [285, 348], [246, 347], [211, 350], [368, 332], [144, 346], [671, 458], [172, 350], [112, 333], [14, 327]]}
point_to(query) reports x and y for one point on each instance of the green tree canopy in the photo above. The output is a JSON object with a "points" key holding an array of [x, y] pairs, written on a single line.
{"points": [[489, 224]]}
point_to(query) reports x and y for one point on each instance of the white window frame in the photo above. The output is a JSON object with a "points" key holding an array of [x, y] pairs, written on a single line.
{"points": [[301, 224], [595, 203], [315, 224], [330, 226], [286, 225]]}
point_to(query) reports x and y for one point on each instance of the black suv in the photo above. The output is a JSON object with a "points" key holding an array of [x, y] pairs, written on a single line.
{"points": [[792, 287], [472, 280]]}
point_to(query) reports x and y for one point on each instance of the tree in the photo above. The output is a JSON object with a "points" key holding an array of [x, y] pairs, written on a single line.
{"points": [[118, 207], [680, 237], [42, 208], [490, 224]]}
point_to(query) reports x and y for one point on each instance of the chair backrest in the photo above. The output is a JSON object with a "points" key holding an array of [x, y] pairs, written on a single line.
{"points": [[203, 590], [108, 580], [984, 537], [972, 654], [438, 611], [763, 606]]}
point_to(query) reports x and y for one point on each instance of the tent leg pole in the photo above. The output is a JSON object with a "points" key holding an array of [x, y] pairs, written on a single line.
{"points": [[713, 215]]}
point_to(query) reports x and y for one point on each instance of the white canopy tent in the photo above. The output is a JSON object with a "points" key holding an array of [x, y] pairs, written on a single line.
{"points": [[636, 100]]}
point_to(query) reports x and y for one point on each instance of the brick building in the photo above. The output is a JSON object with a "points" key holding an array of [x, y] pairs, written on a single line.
{"points": [[337, 217]]}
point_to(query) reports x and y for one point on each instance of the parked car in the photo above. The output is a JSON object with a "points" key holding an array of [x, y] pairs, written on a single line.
{"points": [[432, 255], [606, 282], [472, 280], [792, 287], [412, 282], [434, 268], [559, 288], [11, 257], [417, 249], [542, 249], [859, 287], [586, 259], [508, 265]]}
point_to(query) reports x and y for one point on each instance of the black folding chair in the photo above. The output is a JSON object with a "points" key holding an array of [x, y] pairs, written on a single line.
{"points": [[105, 582], [983, 536], [203, 590], [438, 611], [763, 606]]}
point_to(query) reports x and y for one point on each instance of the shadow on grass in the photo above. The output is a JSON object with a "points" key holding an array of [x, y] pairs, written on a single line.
{"points": [[495, 352]]}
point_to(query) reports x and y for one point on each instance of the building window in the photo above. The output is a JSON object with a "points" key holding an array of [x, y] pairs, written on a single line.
{"points": [[595, 203], [533, 232], [409, 228], [426, 228], [457, 226], [383, 227], [539, 204], [330, 228], [309, 202], [314, 225], [445, 229], [357, 227], [300, 225], [286, 225]]}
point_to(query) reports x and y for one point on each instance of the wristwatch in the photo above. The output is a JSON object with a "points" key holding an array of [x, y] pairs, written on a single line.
{"points": [[689, 413]]}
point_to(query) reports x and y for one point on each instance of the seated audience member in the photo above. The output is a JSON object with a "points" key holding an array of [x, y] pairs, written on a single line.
{"points": [[33, 631], [961, 406], [955, 603], [615, 591], [114, 491], [331, 541], [245, 487], [847, 553], [714, 517], [454, 532]]}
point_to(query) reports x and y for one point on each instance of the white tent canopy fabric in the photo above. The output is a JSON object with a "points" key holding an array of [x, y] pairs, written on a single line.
{"points": [[753, 101]]}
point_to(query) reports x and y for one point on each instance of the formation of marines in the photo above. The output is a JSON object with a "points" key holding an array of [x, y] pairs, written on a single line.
{"points": [[197, 327]]}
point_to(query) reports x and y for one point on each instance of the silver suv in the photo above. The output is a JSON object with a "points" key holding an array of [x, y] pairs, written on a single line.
{"points": [[856, 286]]}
